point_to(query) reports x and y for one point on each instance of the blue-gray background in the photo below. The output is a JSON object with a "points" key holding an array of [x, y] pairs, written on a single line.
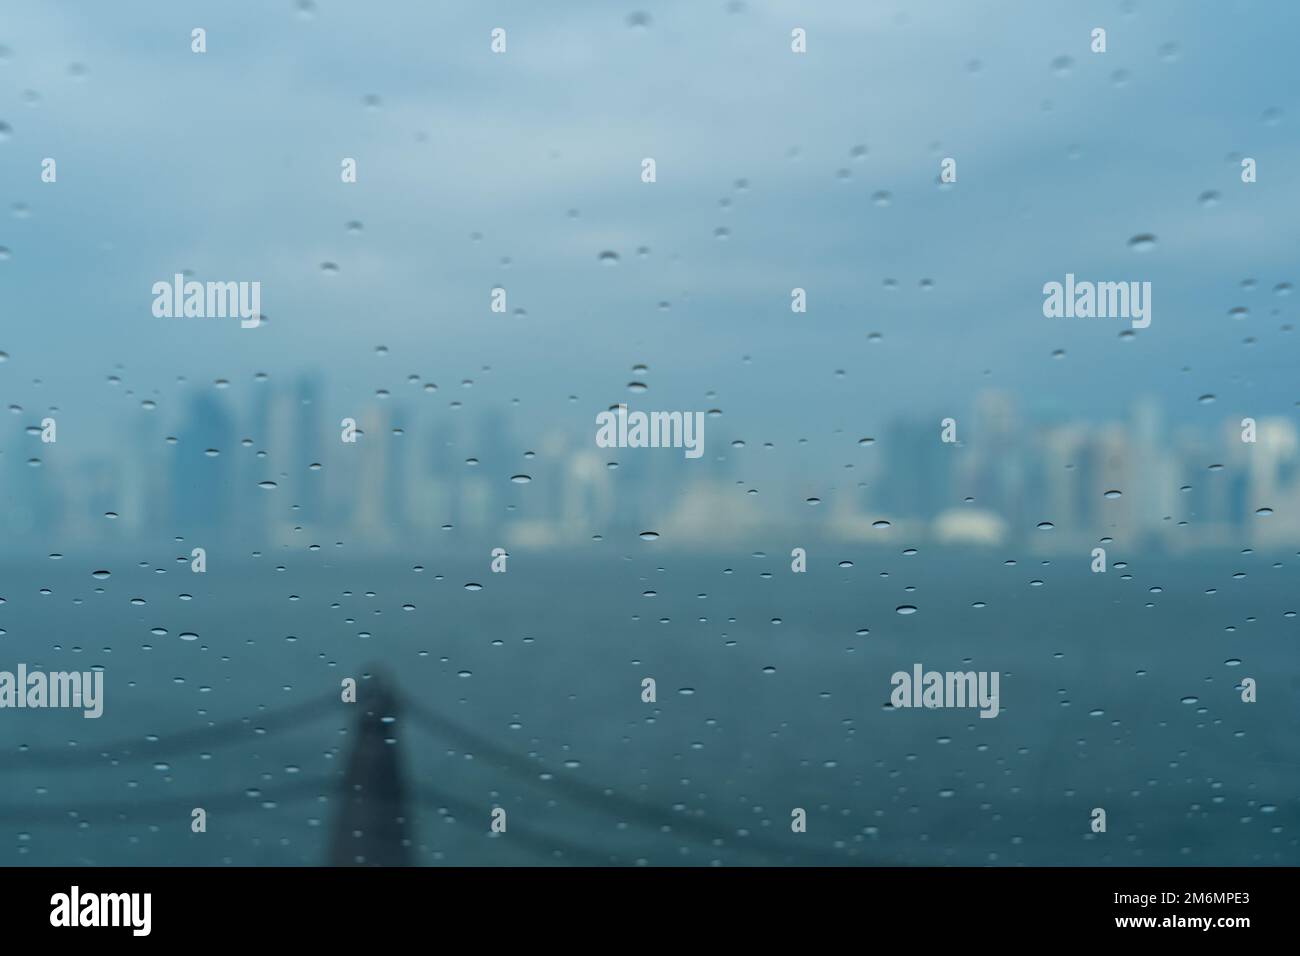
{"points": [[775, 171]]}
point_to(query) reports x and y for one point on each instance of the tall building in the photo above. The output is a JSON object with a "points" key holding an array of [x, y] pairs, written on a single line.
{"points": [[917, 478], [310, 431], [202, 471]]}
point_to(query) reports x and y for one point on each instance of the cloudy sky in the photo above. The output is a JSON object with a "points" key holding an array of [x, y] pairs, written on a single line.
{"points": [[775, 170]]}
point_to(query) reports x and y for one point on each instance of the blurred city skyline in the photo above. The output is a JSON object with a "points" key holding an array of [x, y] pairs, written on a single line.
{"points": [[276, 472]]}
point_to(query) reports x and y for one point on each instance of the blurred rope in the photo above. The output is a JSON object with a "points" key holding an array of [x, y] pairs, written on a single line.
{"points": [[325, 788], [215, 735], [437, 724], [601, 798], [238, 801]]}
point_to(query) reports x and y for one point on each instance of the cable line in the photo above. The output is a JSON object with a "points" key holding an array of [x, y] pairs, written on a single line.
{"points": [[216, 735]]}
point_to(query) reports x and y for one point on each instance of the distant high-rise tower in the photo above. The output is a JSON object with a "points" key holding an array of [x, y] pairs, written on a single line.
{"points": [[202, 475]]}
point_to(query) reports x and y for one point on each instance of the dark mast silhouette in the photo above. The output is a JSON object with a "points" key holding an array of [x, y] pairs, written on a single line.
{"points": [[372, 826]]}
